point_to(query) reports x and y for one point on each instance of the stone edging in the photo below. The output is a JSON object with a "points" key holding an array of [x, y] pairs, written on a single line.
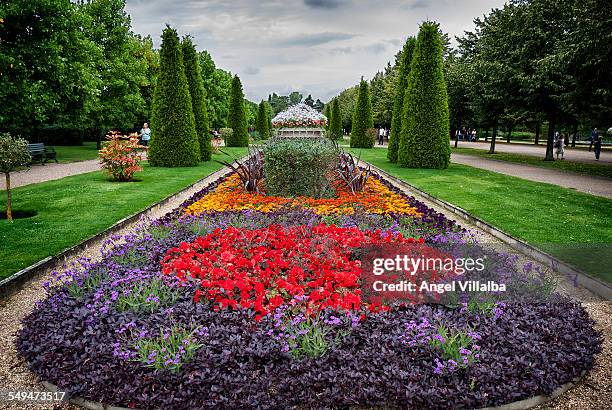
{"points": [[516, 405], [593, 284], [14, 282]]}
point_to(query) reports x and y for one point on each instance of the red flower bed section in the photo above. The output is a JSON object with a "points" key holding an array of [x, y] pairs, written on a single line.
{"points": [[262, 269]]}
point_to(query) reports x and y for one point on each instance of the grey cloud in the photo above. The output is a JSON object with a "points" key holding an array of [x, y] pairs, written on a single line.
{"points": [[323, 4], [251, 71], [314, 39], [374, 48]]}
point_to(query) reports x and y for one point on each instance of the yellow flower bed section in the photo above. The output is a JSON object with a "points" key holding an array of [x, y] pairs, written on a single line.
{"points": [[230, 196]]}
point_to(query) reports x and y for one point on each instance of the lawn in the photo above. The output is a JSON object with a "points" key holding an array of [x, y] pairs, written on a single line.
{"points": [[564, 165], [573, 226], [74, 208], [75, 153]]}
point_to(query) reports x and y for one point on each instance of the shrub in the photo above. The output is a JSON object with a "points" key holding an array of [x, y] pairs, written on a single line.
{"points": [[13, 153], [120, 157], [300, 167], [250, 170], [237, 117], [226, 134], [174, 141], [198, 97], [261, 123], [335, 126], [350, 174], [371, 135], [362, 118], [425, 140], [398, 101]]}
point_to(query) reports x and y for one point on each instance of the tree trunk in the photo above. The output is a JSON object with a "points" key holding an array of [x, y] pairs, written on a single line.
{"points": [[537, 132], [574, 134], [9, 205], [509, 134], [493, 138], [550, 140]]}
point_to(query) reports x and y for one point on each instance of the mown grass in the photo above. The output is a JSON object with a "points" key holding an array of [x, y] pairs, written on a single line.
{"points": [[601, 170], [66, 154], [573, 226], [74, 208]]}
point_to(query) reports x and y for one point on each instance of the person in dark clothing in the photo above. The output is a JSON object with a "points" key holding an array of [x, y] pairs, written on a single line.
{"points": [[594, 137], [597, 146]]}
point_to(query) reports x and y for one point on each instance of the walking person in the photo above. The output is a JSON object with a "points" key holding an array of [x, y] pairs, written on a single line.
{"points": [[145, 135], [594, 137], [381, 135], [559, 145], [597, 146]]}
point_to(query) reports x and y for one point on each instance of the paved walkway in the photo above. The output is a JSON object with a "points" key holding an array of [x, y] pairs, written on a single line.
{"points": [[572, 154], [584, 183], [48, 172]]}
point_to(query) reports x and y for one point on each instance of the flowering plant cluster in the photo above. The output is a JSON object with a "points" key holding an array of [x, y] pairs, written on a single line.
{"points": [[376, 198], [299, 116], [121, 156], [263, 269]]}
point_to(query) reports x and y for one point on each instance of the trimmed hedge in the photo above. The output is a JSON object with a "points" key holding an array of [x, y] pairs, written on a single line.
{"points": [[362, 118], [174, 141], [335, 126], [193, 73], [300, 167], [237, 117], [425, 141], [398, 103]]}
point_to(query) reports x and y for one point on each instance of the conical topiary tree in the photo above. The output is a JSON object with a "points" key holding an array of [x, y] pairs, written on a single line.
{"points": [[269, 114], [362, 118], [335, 126], [174, 141], [398, 103], [327, 113], [261, 122], [237, 118], [193, 73], [425, 141]]}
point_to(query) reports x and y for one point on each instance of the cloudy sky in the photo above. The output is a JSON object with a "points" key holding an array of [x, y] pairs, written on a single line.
{"points": [[317, 47]]}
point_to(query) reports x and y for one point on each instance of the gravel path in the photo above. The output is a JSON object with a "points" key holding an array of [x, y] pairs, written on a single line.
{"points": [[572, 154], [593, 392], [48, 172], [590, 184]]}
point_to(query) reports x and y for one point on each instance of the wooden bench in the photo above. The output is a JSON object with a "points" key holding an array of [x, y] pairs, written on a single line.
{"points": [[41, 154]]}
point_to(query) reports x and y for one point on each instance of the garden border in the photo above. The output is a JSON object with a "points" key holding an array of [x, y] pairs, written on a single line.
{"points": [[515, 405], [595, 285], [13, 283]]}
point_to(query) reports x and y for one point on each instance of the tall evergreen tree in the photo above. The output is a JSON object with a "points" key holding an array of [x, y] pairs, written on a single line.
{"points": [[398, 103], [424, 140], [174, 141], [261, 123], [269, 116], [327, 113], [237, 118], [335, 126], [362, 118], [198, 97]]}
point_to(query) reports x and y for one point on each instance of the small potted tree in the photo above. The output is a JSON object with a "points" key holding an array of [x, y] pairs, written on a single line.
{"points": [[13, 154]]}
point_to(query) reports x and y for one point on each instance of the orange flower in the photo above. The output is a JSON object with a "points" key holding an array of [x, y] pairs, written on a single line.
{"points": [[230, 196]]}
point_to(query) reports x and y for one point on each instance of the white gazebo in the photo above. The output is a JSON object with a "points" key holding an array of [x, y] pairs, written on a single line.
{"points": [[299, 121]]}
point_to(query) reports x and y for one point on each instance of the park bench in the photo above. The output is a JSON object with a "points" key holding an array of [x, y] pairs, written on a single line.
{"points": [[41, 154]]}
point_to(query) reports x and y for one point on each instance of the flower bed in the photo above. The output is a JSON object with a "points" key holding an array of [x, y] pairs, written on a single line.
{"points": [[241, 300], [299, 116]]}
